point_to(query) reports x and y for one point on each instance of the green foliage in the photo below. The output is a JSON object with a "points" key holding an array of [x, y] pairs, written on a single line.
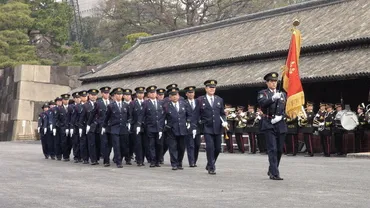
{"points": [[15, 47], [131, 39]]}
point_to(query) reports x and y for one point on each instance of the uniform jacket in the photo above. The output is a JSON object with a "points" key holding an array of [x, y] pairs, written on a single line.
{"points": [[209, 116], [198, 127], [152, 118], [73, 116], [117, 119], [100, 113], [42, 121], [268, 106], [137, 111], [63, 117], [85, 115], [177, 120]]}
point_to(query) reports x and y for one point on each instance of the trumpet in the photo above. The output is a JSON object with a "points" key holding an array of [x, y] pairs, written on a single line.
{"points": [[302, 118], [257, 119]]}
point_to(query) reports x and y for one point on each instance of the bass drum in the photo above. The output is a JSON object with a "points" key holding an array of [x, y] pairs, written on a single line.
{"points": [[348, 120]]}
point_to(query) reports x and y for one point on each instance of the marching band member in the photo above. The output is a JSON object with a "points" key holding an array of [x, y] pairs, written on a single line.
{"points": [[338, 131], [325, 129], [230, 117], [240, 124], [261, 142], [359, 133], [292, 136], [251, 127], [306, 123]]}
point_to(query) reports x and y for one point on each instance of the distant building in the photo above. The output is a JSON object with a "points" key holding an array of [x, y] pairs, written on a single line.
{"points": [[88, 7]]}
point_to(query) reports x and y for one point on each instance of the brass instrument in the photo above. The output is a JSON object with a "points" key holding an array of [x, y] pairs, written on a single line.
{"points": [[302, 117], [257, 119], [230, 113], [366, 112], [242, 120], [320, 125]]}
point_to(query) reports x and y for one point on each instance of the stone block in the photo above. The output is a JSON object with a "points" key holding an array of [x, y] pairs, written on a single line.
{"points": [[24, 130], [74, 82], [42, 74], [40, 91], [23, 110], [59, 76], [73, 70]]}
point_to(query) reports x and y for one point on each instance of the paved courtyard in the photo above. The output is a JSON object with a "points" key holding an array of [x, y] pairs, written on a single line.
{"points": [[28, 180]]}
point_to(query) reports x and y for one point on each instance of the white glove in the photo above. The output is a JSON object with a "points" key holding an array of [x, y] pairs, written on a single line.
{"points": [[188, 125], [165, 122], [138, 130], [276, 96], [67, 132], [45, 130], [80, 132], [160, 135], [194, 133], [322, 124], [233, 115], [224, 124], [245, 121], [102, 131], [276, 119], [258, 117], [87, 129], [129, 126], [51, 127], [242, 114], [71, 132], [54, 132], [38, 129]]}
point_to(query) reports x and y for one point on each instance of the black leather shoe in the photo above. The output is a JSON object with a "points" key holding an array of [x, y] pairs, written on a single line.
{"points": [[53, 158], [180, 168], [211, 172], [276, 178], [174, 168], [192, 166], [157, 165], [66, 160], [76, 161], [195, 165], [86, 162], [120, 166], [94, 163], [161, 163], [46, 157], [152, 165], [59, 159], [268, 173], [106, 165], [128, 163], [207, 167]]}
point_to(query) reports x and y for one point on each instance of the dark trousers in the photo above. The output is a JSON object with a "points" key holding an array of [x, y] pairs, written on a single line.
{"points": [[120, 147], [261, 142], [83, 148], [359, 136], [76, 145], [66, 145], [44, 143], [274, 142], [252, 142], [140, 149], [98, 149], [131, 146], [308, 139], [155, 146], [338, 139], [91, 141], [240, 142], [213, 148], [51, 148], [292, 143], [229, 142], [325, 143], [58, 143], [176, 146], [165, 146], [192, 148], [106, 140]]}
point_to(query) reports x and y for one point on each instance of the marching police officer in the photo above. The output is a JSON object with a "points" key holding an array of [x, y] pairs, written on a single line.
{"points": [[106, 141], [64, 117], [141, 142], [127, 98], [51, 131], [273, 124], [82, 122], [42, 128], [153, 118], [192, 144], [211, 114], [57, 131], [118, 118], [178, 116], [73, 128]]}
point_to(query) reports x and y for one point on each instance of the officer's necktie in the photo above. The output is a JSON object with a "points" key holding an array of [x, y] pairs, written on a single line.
{"points": [[192, 104], [177, 107], [155, 104], [212, 101], [119, 106]]}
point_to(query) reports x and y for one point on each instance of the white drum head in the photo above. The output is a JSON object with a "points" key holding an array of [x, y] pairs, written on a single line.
{"points": [[349, 120]]}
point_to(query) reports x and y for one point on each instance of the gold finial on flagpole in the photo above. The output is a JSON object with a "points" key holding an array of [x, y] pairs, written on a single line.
{"points": [[296, 22]]}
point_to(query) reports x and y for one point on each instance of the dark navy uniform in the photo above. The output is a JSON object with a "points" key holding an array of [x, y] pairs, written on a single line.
{"points": [[42, 125], [306, 127], [131, 137], [338, 131], [228, 134], [153, 119], [118, 118], [210, 113], [88, 110], [327, 130], [82, 120], [50, 127], [251, 128], [274, 133], [360, 130], [73, 129], [141, 143], [192, 143], [240, 124], [65, 112], [58, 131], [178, 117]]}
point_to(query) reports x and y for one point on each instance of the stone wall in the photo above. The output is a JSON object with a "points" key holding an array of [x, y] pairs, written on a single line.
{"points": [[24, 89]]}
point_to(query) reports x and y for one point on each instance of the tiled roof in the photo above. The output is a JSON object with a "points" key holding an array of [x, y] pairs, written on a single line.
{"points": [[325, 66], [322, 22]]}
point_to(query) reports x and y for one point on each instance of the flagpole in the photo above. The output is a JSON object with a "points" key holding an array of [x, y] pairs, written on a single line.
{"points": [[295, 24]]}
